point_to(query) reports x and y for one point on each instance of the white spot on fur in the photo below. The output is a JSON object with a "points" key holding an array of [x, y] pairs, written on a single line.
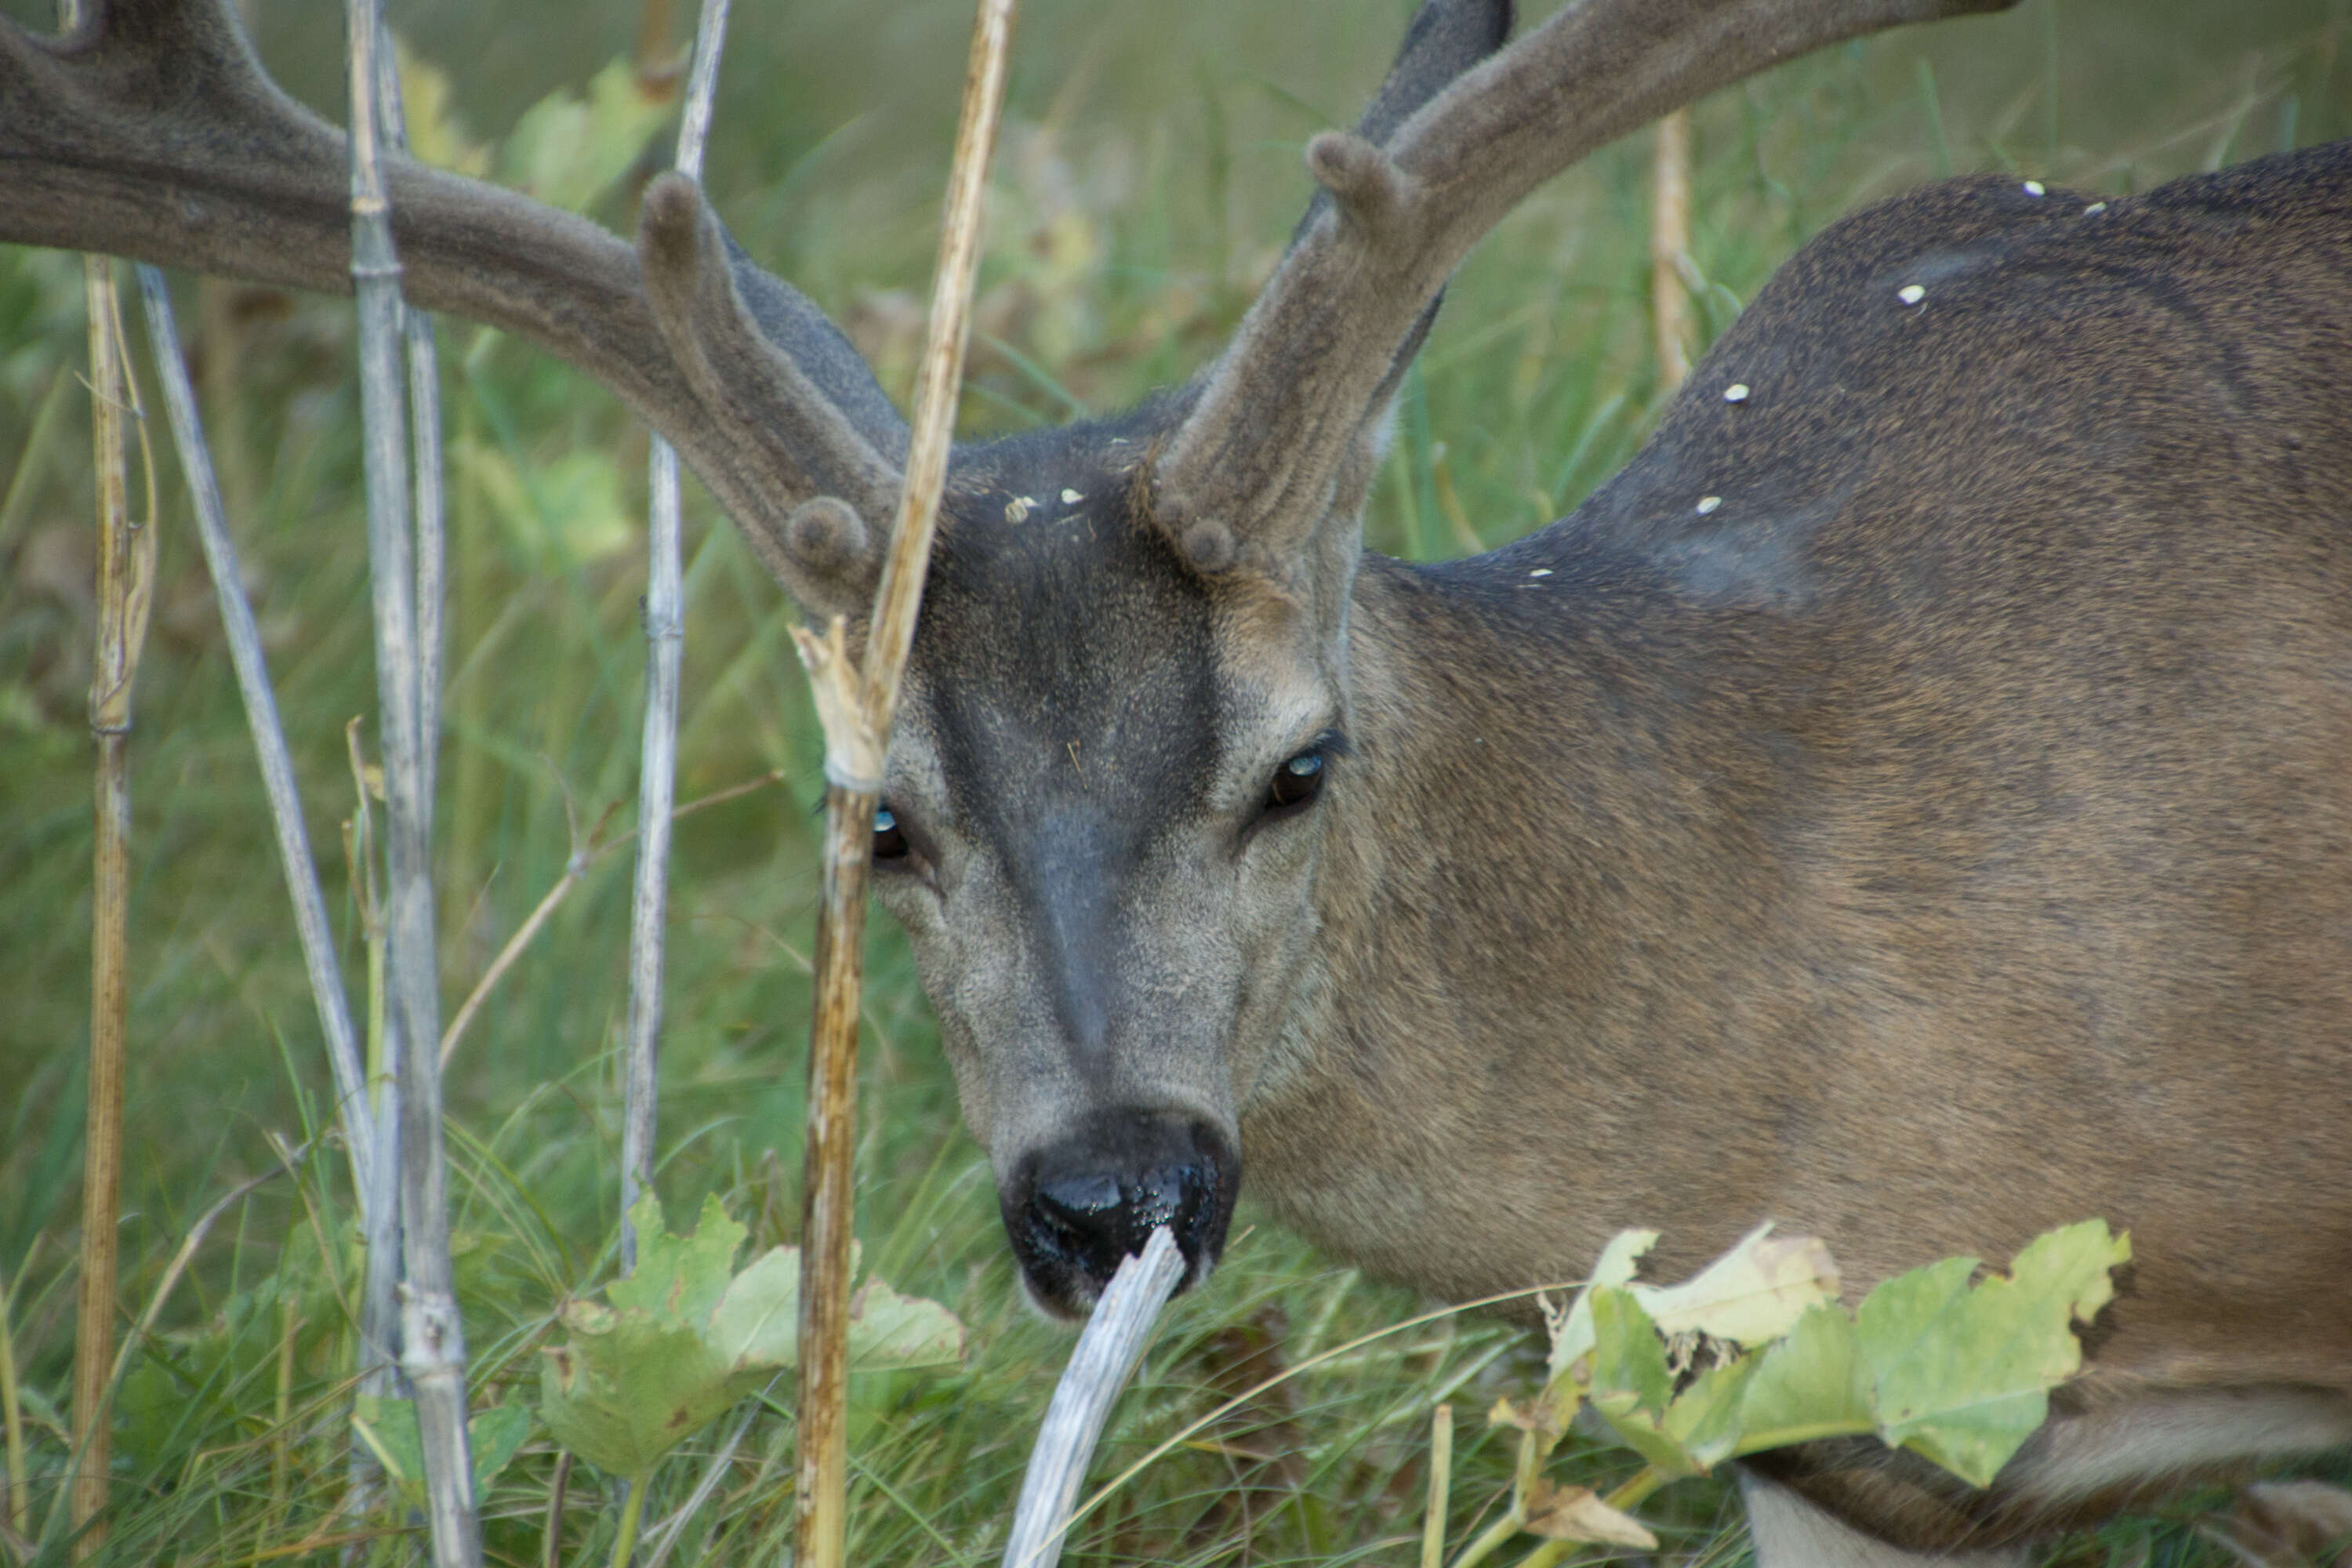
{"points": [[1911, 293], [1071, 498], [2094, 209], [1709, 503], [2034, 188], [1541, 572], [1017, 508], [1736, 393]]}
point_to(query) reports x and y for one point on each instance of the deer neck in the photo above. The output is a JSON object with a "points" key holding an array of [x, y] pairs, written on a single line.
{"points": [[1508, 899]]}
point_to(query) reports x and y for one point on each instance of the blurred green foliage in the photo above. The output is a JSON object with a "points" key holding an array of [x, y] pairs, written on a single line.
{"points": [[1146, 177]]}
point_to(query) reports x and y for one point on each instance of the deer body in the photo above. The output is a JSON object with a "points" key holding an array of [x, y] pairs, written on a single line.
{"points": [[1909, 802], [1922, 808], [1912, 847]]}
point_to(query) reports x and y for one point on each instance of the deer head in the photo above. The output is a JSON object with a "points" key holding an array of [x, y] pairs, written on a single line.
{"points": [[1123, 755]]}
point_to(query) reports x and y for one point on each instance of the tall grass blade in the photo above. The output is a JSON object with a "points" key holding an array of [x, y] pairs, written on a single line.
{"points": [[19, 1512], [1670, 249]]}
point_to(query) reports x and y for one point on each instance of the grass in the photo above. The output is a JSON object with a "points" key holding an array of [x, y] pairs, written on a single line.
{"points": [[1149, 171]]}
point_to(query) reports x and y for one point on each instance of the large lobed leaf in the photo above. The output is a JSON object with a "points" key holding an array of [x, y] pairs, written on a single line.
{"points": [[684, 1337]]}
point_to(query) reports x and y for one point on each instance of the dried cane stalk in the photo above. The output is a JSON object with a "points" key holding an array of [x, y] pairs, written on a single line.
{"points": [[425, 428], [433, 1348], [1099, 1366], [126, 573], [366, 1135], [1670, 248], [658, 768], [857, 731]]}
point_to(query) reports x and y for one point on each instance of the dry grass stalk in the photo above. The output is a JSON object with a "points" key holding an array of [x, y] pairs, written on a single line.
{"points": [[1441, 1487], [658, 768], [1670, 248], [126, 575], [433, 1346], [858, 730]]}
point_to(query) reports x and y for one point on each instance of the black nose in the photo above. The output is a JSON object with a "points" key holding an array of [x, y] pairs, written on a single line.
{"points": [[1078, 1207]]}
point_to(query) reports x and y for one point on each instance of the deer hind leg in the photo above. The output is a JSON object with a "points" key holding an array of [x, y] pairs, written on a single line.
{"points": [[1790, 1533]]}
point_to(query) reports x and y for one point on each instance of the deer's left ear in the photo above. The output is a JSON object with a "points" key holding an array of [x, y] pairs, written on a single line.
{"points": [[1353, 483]]}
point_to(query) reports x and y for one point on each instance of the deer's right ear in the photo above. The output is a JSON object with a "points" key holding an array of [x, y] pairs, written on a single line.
{"points": [[747, 342]]}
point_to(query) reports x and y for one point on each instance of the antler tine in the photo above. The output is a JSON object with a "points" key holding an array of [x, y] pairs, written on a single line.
{"points": [[1273, 428], [153, 131]]}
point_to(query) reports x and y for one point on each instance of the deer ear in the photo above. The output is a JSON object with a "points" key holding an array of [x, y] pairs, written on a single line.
{"points": [[790, 321], [1353, 484]]}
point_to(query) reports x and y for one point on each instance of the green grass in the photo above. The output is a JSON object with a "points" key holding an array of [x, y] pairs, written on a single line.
{"points": [[1149, 173]]}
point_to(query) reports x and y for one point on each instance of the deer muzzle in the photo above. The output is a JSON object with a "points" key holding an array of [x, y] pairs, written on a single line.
{"points": [[1077, 1208]]}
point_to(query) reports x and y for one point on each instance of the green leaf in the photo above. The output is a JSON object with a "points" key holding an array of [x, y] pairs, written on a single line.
{"points": [[1705, 1420], [1629, 1360], [887, 1329], [1630, 1385], [679, 1277], [623, 1397], [1810, 1384], [1751, 1294], [494, 1436], [1571, 1332], [684, 1337], [1959, 1375], [758, 1320], [569, 150], [388, 1426], [1963, 1375]]}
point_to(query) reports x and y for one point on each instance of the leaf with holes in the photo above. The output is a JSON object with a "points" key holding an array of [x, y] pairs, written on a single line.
{"points": [[1963, 1375]]}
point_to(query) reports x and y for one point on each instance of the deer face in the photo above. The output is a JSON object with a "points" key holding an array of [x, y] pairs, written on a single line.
{"points": [[1108, 784]]}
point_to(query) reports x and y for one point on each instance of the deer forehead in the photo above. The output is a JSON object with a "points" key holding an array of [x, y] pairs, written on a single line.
{"points": [[1066, 653]]}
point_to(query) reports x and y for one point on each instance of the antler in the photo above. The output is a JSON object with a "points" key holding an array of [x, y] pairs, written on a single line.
{"points": [[1251, 471], [153, 131]]}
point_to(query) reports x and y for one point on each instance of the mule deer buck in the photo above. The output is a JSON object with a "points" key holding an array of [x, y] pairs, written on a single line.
{"points": [[1911, 802]]}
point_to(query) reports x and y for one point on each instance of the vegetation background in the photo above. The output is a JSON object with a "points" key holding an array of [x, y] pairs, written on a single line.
{"points": [[1149, 173]]}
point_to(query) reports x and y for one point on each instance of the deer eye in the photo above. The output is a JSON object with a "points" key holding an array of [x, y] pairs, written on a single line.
{"points": [[890, 839], [1296, 782]]}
